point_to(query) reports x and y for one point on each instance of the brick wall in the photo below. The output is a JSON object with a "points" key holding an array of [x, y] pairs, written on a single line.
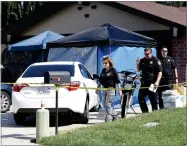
{"points": [[179, 55]]}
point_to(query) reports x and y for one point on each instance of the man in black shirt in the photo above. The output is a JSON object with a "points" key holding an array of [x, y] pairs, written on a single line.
{"points": [[151, 69], [169, 68]]}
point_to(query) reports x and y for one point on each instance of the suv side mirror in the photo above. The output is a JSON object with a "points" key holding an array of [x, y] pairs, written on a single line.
{"points": [[95, 76]]}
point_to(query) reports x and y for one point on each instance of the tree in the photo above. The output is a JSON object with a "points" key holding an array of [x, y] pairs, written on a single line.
{"points": [[173, 3], [13, 11]]}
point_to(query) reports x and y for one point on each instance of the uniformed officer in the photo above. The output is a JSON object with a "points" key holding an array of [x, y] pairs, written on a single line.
{"points": [[151, 70], [169, 68]]}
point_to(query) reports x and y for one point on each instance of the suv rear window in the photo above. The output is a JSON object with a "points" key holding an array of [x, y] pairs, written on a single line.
{"points": [[40, 70]]}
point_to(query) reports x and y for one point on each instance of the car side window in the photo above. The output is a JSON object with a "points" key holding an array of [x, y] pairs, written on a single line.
{"points": [[84, 72], [89, 76]]}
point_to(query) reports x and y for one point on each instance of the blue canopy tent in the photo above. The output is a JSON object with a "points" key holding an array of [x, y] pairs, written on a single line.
{"points": [[37, 42], [89, 46], [28, 51]]}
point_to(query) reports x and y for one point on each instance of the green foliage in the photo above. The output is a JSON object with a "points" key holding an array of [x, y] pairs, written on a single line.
{"points": [[173, 3], [13, 11]]}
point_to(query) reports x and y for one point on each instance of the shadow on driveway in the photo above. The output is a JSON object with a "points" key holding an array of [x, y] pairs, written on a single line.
{"points": [[17, 136], [7, 120]]}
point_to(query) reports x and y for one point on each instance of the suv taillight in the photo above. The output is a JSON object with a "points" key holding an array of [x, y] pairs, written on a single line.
{"points": [[72, 86], [18, 87]]}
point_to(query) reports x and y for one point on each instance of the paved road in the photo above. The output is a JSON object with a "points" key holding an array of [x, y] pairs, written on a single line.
{"points": [[13, 134]]}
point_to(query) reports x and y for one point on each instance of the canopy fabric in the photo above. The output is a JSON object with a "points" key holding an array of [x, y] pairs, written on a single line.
{"points": [[124, 58], [106, 34], [86, 55], [37, 42]]}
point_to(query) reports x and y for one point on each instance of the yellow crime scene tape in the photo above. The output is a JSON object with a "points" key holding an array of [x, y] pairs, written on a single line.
{"points": [[93, 88]]}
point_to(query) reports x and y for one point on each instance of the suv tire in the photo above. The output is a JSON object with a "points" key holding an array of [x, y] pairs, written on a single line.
{"points": [[5, 102]]}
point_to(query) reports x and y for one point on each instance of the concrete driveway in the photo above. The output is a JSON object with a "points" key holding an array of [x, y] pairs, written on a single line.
{"points": [[13, 134]]}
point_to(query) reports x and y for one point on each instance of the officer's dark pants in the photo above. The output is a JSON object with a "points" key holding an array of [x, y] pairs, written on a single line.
{"points": [[152, 97], [163, 82]]}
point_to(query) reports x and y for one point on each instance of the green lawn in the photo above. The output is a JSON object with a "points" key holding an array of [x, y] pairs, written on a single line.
{"points": [[170, 131]]}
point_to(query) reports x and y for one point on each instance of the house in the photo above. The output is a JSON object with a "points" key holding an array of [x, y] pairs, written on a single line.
{"points": [[164, 23]]}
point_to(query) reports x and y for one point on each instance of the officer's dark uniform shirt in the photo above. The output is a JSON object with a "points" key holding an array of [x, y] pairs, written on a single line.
{"points": [[109, 78], [168, 64], [150, 68]]}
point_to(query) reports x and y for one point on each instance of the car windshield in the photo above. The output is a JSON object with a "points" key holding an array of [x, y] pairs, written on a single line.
{"points": [[40, 70]]}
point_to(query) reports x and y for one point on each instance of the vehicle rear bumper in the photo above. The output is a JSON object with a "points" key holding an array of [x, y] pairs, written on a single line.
{"points": [[51, 110], [65, 104]]}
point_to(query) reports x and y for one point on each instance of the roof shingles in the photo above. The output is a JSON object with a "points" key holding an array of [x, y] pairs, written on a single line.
{"points": [[166, 12]]}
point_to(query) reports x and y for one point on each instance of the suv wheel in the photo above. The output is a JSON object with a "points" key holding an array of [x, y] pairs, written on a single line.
{"points": [[19, 118], [5, 102]]}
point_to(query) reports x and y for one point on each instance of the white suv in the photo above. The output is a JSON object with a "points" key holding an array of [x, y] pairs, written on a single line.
{"points": [[26, 98]]}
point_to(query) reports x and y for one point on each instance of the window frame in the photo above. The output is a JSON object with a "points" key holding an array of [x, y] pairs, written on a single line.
{"points": [[86, 71]]}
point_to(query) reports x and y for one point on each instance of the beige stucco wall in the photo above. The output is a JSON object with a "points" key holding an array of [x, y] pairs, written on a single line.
{"points": [[3, 46], [71, 20]]}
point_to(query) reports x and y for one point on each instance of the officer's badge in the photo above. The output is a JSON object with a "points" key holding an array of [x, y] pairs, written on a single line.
{"points": [[168, 60], [159, 63], [151, 62], [108, 74]]}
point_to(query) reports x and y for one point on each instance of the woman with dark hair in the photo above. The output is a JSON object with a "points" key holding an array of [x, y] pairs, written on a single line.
{"points": [[108, 79]]}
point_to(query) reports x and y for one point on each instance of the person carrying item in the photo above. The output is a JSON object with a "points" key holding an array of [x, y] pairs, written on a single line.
{"points": [[151, 70], [169, 68], [108, 79]]}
